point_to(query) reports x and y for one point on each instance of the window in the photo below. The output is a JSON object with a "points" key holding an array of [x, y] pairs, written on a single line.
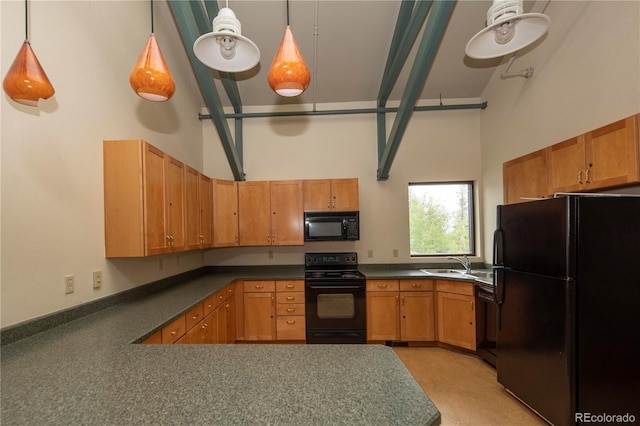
{"points": [[441, 219]]}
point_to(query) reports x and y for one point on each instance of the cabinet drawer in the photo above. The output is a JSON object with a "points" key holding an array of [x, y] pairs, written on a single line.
{"points": [[290, 309], [416, 285], [383, 285], [193, 315], [457, 287], [174, 330], [290, 285], [290, 297], [214, 301], [155, 338], [290, 328], [259, 286]]}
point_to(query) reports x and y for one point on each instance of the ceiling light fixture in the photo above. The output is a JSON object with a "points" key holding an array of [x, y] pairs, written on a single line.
{"points": [[289, 75], [508, 30], [26, 82], [225, 48], [150, 77]]}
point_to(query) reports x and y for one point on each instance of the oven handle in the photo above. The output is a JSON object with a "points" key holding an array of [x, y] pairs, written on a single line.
{"points": [[336, 287]]}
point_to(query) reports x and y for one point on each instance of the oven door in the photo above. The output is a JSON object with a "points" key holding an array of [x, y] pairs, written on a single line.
{"points": [[336, 312]]}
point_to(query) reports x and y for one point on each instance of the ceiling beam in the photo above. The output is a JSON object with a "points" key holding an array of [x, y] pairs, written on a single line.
{"points": [[437, 21], [186, 23]]}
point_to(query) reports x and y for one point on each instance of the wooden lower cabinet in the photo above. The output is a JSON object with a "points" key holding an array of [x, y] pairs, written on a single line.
{"points": [[400, 310], [290, 310], [456, 313], [259, 306]]}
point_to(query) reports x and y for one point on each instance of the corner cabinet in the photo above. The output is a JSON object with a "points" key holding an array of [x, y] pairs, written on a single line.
{"points": [[331, 195], [525, 178], [456, 313], [198, 206], [225, 213], [144, 200]]}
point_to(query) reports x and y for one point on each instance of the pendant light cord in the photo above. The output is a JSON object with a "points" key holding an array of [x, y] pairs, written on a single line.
{"points": [[287, 13], [151, 16], [26, 21]]}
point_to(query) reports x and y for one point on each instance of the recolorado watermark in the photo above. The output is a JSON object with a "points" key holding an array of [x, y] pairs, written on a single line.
{"points": [[604, 418]]}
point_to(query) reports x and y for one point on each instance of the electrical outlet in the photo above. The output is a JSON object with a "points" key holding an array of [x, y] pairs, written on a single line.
{"points": [[370, 253], [69, 284], [395, 252], [97, 279]]}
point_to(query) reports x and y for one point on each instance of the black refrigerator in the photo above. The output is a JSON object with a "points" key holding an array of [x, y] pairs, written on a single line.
{"points": [[567, 276]]}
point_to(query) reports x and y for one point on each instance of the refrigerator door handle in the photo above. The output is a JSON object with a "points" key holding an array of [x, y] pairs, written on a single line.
{"points": [[498, 247]]}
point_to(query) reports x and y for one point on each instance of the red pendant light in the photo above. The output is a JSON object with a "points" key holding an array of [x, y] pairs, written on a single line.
{"points": [[26, 82], [289, 75], [150, 77]]}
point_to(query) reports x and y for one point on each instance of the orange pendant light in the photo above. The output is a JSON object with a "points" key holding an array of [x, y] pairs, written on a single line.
{"points": [[26, 82], [150, 77], [289, 75]]}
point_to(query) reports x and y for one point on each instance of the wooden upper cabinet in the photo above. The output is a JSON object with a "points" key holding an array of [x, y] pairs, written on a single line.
{"points": [[286, 213], [205, 190], [270, 213], [225, 213], [331, 195], [603, 158], [198, 210], [254, 213], [525, 178], [144, 191]]}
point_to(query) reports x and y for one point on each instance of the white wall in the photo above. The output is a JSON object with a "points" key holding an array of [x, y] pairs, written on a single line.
{"points": [[587, 74], [51, 196], [437, 146]]}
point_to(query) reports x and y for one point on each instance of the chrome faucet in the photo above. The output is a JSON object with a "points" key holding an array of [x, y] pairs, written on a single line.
{"points": [[464, 262]]}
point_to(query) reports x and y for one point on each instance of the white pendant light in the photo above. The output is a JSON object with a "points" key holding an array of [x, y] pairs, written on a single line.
{"points": [[508, 30], [225, 48]]}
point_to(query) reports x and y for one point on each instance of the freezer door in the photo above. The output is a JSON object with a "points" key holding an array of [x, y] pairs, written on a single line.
{"points": [[535, 237], [534, 343]]}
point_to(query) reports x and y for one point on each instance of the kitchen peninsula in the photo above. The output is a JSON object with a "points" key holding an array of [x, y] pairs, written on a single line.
{"points": [[90, 371]]}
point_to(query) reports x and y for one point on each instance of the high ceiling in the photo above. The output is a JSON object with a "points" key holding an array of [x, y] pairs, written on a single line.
{"points": [[347, 58]]}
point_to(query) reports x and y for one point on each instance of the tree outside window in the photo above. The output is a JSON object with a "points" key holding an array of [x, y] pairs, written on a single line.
{"points": [[441, 219]]}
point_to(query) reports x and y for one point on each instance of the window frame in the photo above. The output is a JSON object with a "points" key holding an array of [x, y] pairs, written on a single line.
{"points": [[471, 212]]}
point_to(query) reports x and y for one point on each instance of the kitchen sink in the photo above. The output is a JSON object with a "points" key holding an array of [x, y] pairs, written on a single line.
{"points": [[480, 274], [484, 276], [440, 271]]}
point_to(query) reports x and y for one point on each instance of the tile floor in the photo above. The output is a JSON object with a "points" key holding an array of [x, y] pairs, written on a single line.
{"points": [[464, 388]]}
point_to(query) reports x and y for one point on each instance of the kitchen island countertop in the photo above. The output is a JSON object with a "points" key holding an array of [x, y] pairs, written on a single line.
{"points": [[89, 371]]}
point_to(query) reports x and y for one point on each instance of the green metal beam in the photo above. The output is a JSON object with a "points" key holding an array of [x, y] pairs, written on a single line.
{"points": [[432, 36], [186, 22]]}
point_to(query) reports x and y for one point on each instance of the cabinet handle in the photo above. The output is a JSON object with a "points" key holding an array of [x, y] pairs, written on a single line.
{"points": [[290, 322], [195, 316], [586, 172], [414, 285], [328, 203], [402, 300], [176, 331], [290, 298], [290, 286], [291, 309], [580, 177], [259, 286], [382, 285]]}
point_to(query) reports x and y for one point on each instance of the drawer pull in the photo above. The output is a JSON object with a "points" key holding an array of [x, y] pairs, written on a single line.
{"points": [[176, 331], [259, 286], [290, 286], [416, 285], [291, 322], [290, 298], [382, 286], [195, 316], [291, 309]]}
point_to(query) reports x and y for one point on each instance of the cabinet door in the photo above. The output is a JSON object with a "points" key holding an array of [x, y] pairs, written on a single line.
{"points": [[525, 177], [154, 201], [175, 204], [254, 213], [287, 212], [456, 320], [383, 313], [259, 316], [192, 208], [230, 321], [317, 195], [225, 213], [417, 316], [206, 211], [344, 195], [565, 166], [612, 154]]}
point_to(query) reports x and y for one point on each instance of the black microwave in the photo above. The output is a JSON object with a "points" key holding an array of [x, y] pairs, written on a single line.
{"points": [[331, 226]]}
